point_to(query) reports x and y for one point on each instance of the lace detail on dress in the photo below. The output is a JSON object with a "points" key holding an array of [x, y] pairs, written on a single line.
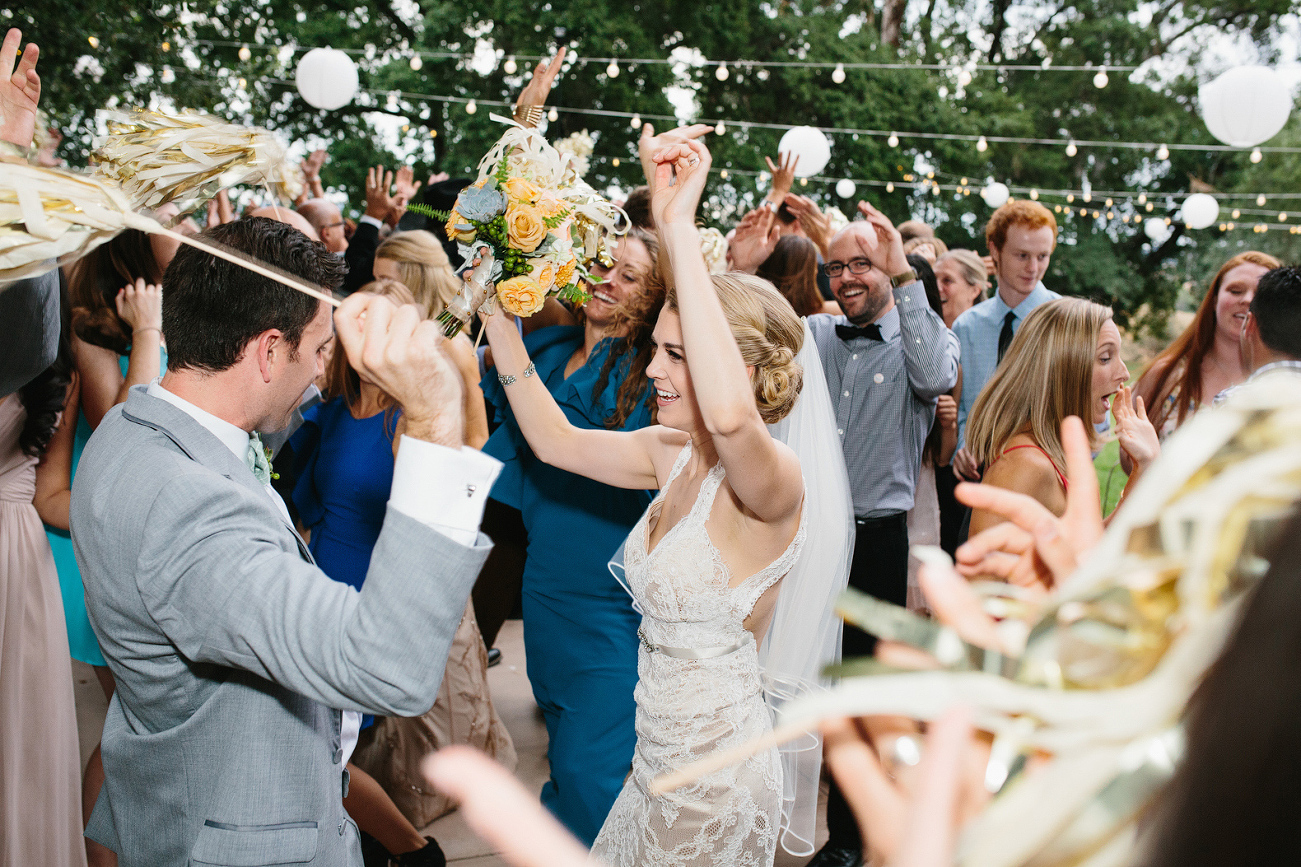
{"points": [[689, 708]]}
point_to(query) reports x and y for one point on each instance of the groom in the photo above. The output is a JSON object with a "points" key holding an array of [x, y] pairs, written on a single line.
{"points": [[233, 654]]}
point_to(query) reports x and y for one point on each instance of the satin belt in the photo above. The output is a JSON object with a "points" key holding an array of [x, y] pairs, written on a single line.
{"points": [[687, 652]]}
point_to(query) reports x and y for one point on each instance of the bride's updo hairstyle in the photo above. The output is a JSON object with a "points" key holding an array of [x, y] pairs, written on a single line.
{"points": [[769, 335]]}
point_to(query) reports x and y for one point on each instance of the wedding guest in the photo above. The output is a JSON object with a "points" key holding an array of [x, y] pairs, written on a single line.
{"points": [[1205, 359], [344, 469], [231, 651], [580, 629], [1021, 236], [793, 268], [40, 785], [1064, 362], [962, 281], [416, 260], [928, 248], [887, 360], [912, 229], [1271, 334]]}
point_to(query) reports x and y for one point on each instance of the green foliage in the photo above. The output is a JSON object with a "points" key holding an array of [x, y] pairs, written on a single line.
{"points": [[1107, 259]]}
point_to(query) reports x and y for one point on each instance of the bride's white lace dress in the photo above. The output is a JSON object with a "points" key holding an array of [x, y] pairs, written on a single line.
{"points": [[690, 707]]}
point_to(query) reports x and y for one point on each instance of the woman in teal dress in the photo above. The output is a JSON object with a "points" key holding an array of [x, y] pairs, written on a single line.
{"points": [[117, 322], [580, 628]]}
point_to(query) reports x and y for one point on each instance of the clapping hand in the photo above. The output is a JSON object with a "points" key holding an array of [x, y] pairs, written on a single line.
{"points": [[402, 352], [1135, 432], [1034, 548], [783, 175], [20, 90], [311, 167], [405, 188], [884, 247], [814, 223], [753, 241]]}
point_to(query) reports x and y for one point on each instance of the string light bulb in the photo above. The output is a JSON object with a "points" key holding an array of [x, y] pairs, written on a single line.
{"points": [[553, 115], [93, 40], [720, 129], [1109, 202], [1034, 195], [1071, 149], [1282, 216], [964, 78], [1260, 200], [721, 73], [635, 123], [242, 84], [1236, 213], [167, 76], [1142, 198], [1100, 80], [982, 145], [471, 107], [166, 46], [244, 53], [1070, 197], [723, 174], [1148, 206], [509, 66], [893, 140], [615, 162], [1163, 153], [1088, 197], [889, 186], [416, 62], [838, 74], [613, 69]]}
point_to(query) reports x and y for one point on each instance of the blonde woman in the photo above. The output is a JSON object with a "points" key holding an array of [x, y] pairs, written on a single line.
{"points": [[1064, 361], [417, 260], [708, 558], [962, 279]]}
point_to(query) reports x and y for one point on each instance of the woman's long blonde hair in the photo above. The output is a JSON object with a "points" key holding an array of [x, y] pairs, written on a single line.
{"points": [[1046, 375], [424, 267]]}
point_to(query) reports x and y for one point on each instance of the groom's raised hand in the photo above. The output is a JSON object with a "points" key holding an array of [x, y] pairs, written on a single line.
{"points": [[403, 353]]}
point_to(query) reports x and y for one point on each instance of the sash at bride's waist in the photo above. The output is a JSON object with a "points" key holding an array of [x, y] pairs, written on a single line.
{"points": [[687, 652]]}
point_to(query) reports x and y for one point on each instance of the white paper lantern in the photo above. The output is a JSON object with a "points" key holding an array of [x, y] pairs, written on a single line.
{"points": [[1155, 228], [1200, 211], [995, 194], [810, 145], [1245, 106], [845, 188], [326, 78]]}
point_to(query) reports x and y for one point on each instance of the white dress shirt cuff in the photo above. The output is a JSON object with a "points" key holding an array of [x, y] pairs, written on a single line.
{"points": [[443, 488], [374, 221]]}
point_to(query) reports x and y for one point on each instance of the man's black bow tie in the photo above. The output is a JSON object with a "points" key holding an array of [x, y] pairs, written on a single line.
{"points": [[849, 332]]}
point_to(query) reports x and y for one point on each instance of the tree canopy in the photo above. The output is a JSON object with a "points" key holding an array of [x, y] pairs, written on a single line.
{"points": [[959, 79]]}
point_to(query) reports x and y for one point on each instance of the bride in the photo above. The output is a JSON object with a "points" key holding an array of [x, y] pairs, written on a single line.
{"points": [[707, 560]]}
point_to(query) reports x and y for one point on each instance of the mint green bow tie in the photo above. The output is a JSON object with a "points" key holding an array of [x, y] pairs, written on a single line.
{"points": [[257, 459]]}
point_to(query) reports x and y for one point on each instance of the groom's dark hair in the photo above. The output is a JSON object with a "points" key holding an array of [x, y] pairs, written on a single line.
{"points": [[212, 308]]}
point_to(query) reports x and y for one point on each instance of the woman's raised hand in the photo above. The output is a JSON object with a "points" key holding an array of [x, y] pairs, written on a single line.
{"points": [[140, 305], [1136, 434], [680, 173], [650, 144]]}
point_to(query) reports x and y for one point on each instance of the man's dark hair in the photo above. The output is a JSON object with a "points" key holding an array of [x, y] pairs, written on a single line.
{"points": [[212, 308], [785, 214], [638, 209], [1276, 307]]}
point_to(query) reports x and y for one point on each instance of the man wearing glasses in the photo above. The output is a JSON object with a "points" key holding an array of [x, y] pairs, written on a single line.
{"points": [[886, 360]]}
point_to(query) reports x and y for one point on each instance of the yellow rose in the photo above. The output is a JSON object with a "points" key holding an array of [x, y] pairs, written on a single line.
{"points": [[544, 274], [521, 190], [521, 295], [565, 273], [524, 227], [459, 229]]}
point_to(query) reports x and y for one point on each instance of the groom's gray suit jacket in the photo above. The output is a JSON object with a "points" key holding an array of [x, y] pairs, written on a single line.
{"points": [[233, 653]]}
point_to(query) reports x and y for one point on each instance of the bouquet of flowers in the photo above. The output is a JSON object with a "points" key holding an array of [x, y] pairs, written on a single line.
{"points": [[533, 226]]}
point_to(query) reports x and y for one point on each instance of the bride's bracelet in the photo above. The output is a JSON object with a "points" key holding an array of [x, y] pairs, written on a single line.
{"points": [[508, 378]]}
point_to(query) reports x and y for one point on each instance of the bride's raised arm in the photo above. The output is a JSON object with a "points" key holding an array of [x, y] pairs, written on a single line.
{"points": [[764, 473]]}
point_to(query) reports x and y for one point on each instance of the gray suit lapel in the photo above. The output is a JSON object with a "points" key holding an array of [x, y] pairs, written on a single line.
{"points": [[201, 446]]}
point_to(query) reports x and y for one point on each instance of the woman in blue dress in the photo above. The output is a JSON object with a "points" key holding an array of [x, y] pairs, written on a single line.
{"points": [[580, 629], [342, 474]]}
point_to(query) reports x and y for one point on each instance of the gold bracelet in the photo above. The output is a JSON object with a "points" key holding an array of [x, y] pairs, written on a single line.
{"points": [[528, 115]]}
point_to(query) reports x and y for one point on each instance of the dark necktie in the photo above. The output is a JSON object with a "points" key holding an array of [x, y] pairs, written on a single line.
{"points": [[1005, 336], [849, 332]]}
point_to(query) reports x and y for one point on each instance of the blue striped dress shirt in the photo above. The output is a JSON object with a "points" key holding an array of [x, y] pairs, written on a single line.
{"points": [[884, 394], [977, 331]]}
